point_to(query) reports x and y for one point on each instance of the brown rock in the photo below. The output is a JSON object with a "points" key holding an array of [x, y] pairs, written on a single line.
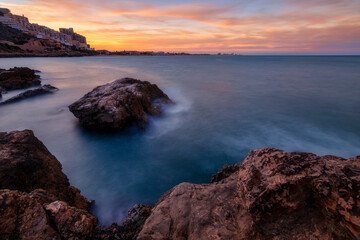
{"points": [[26, 165], [129, 229], [22, 217], [71, 222], [18, 78], [119, 104], [46, 89], [273, 194]]}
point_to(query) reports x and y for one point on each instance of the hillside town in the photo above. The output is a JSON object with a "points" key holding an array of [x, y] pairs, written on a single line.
{"points": [[65, 37]]}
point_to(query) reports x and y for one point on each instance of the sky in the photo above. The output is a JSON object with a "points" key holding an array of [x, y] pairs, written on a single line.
{"points": [[198, 26]]}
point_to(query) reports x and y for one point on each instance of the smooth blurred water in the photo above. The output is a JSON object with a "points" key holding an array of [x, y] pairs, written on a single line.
{"points": [[226, 105]]}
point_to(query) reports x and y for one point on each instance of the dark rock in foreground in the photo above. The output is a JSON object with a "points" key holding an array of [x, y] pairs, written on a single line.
{"points": [[273, 194], [119, 104], [22, 217], [26, 165], [129, 229], [37, 201], [31, 93], [18, 78], [71, 222]]}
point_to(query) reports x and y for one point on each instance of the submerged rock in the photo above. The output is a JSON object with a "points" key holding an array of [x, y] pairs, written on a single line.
{"points": [[26, 165], [119, 104], [18, 78], [31, 93], [273, 194]]}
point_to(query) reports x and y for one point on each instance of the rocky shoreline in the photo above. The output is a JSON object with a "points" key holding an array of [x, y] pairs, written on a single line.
{"points": [[22, 78], [52, 54], [272, 194], [18, 78]]}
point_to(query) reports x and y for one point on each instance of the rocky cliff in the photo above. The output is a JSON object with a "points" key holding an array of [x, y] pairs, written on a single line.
{"points": [[272, 194], [15, 43], [37, 201]]}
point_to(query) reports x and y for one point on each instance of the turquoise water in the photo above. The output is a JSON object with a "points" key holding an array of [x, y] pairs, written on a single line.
{"points": [[226, 105]]}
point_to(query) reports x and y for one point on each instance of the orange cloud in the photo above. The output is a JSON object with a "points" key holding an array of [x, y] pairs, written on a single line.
{"points": [[317, 25]]}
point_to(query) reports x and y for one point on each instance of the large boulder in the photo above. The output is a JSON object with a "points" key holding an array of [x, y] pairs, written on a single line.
{"points": [[18, 78], [273, 194], [119, 104], [26, 165]]}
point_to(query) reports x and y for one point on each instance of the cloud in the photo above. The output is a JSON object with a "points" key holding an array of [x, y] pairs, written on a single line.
{"points": [[243, 26]]}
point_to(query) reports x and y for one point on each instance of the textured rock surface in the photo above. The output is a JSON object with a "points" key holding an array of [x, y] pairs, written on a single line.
{"points": [[26, 165], [18, 78], [37, 202], [129, 229], [31, 93], [273, 194], [71, 222], [119, 104], [22, 217]]}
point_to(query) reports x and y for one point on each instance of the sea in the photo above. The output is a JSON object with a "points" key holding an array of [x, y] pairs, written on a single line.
{"points": [[225, 107]]}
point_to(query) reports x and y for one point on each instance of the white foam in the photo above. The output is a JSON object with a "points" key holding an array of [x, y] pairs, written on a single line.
{"points": [[173, 114]]}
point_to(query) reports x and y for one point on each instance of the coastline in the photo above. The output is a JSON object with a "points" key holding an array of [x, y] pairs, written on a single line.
{"points": [[224, 184], [25, 55], [271, 194], [90, 54]]}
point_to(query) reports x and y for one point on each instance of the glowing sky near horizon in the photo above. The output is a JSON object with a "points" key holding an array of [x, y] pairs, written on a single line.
{"points": [[257, 26]]}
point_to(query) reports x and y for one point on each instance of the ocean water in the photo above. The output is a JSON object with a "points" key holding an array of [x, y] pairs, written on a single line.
{"points": [[225, 106]]}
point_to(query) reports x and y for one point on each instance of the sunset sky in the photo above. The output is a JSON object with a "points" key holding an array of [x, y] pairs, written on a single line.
{"points": [[241, 26]]}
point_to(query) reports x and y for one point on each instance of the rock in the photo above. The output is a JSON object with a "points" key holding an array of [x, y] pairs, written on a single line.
{"points": [[26, 165], [71, 222], [18, 78], [273, 194], [31, 93], [129, 229], [136, 217], [43, 196], [119, 104], [22, 217]]}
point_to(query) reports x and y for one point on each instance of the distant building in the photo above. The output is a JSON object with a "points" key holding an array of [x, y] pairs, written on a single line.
{"points": [[78, 40], [65, 36]]}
